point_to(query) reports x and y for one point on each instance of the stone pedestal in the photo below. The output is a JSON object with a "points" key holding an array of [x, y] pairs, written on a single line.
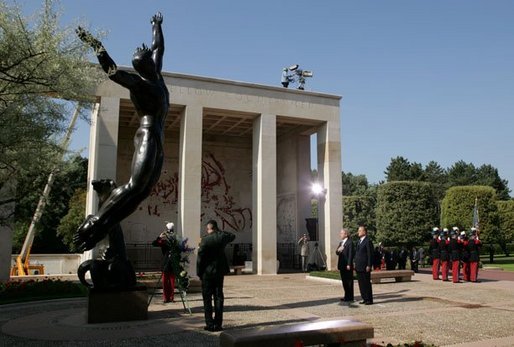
{"points": [[117, 306]]}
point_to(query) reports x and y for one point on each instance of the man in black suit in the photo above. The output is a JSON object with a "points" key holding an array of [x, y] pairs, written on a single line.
{"points": [[363, 263], [211, 267], [345, 253]]}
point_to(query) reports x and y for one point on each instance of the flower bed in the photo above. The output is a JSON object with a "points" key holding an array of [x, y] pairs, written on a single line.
{"points": [[19, 291]]}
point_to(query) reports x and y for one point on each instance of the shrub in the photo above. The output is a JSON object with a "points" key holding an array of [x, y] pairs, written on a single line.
{"points": [[457, 210], [406, 212]]}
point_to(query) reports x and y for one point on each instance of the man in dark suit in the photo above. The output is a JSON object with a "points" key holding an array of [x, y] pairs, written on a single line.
{"points": [[211, 267], [363, 263], [345, 253]]}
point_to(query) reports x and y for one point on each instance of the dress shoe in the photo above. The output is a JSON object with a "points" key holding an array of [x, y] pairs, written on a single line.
{"points": [[218, 328], [208, 328], [362, 302], [368, 303]]}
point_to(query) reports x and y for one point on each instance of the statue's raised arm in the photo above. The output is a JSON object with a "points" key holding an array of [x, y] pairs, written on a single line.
{"points": [[123, 78], [157, 41]]}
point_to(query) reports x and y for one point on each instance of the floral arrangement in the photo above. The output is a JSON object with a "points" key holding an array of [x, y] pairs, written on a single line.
{"points": [[179, 258]]}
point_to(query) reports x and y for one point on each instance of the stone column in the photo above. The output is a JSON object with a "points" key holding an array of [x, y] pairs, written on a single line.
{"points": [[103, 152], [190, 175], [330, 205], [264, 229]]}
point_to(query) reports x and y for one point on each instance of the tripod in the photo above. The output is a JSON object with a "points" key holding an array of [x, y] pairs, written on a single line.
{"points": [[317, 253], [183, 296]]}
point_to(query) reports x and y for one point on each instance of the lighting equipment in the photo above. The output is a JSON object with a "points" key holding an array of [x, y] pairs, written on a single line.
{"points": [[297, 76]]}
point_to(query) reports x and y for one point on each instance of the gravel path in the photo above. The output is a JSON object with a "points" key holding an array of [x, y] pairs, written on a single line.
{"points": [[435, 312]]}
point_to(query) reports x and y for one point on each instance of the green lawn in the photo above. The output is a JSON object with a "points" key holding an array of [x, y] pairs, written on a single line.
{"points": [[333, 275], [506, 263]]}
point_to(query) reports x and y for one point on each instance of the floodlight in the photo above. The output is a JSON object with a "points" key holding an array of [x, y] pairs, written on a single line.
{"points": [[317, 189], [307, 73]]}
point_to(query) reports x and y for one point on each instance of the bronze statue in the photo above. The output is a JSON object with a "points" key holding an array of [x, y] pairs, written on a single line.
{"points": [[150, 96], [114, 270]]}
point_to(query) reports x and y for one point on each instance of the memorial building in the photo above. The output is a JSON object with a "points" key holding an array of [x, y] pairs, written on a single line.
{"points": [[235, 152]]}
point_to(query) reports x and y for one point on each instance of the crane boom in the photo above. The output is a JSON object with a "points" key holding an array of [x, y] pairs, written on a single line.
{"points": [[22, 260]]}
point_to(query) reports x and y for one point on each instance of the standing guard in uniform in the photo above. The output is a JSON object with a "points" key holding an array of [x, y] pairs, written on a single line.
{"points": [[433, 249], [465, 256], [166, 240], [474, 245], [444, 255], [455, 254]]}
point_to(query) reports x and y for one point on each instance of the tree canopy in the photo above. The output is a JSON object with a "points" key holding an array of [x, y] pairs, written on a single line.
{"points": [[41, 64], [459, 174]]}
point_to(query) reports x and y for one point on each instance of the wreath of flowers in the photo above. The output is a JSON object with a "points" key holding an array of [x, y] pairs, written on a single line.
{"points": [[179, 258]]}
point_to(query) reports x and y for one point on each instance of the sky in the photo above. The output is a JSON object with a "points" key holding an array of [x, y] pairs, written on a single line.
{"points": [[426, 80]]}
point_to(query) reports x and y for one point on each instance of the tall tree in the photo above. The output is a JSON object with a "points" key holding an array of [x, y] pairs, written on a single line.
{"points": [[40, 65], [487, 175], [73, 218], [72, 175], [354, 184], [462, 174], [434, 173], [401, 169]]}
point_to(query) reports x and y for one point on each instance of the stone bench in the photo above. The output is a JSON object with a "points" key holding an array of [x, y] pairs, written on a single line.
{"points": [[332, 333], [398, 275], [238, 270]]}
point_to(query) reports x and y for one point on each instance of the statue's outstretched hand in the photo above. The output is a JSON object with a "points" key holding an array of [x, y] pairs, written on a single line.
{"points": [[86, 37], [157, 18]]}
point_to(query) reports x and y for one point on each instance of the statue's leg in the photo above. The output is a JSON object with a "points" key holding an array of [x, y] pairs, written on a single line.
{"points": [[145, 172]]}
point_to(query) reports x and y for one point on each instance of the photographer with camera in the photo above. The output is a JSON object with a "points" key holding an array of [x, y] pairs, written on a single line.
{"points": [[165, 241], [303, 242]]}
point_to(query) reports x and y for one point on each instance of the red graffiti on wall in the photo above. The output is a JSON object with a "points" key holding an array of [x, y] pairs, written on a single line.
{"points": [[216, 198]]}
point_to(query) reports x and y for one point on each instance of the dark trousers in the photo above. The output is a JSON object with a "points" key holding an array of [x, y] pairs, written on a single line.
{"points": [[347, 279], [455, 270], [414, 266], [212, 289], [364, 280]]}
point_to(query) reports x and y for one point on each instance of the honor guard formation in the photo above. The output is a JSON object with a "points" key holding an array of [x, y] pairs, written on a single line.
{"points": [[455, 249]]}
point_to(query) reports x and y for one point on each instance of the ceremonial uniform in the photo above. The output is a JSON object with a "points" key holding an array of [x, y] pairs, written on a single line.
{"points": [[166, 241], [444, 256], [473, 248], [465, 257], [455, 254], [434, 253]]}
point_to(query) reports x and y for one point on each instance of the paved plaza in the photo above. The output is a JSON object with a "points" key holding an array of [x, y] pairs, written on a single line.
{"points": [[441, 313]]}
